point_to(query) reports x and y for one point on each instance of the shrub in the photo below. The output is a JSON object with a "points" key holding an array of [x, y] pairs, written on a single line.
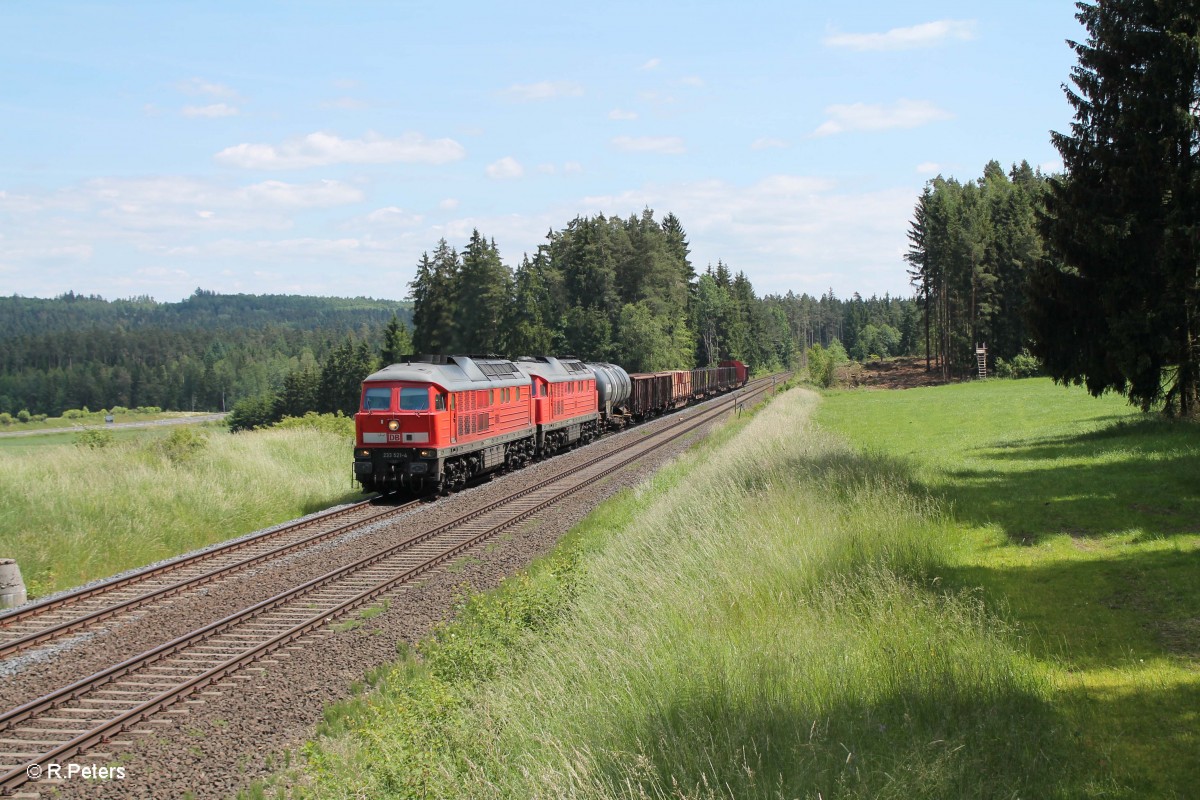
{"points": [[24, 416], [118, 410], [181, 443], [823, 361], [6, 418], [252, 412], [94, 438], [336, 423], [1023, 365], [74, 413]]}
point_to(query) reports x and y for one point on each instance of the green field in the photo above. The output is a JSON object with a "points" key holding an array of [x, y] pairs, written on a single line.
{"points": [[70, 513], [1080, 521], [985, 590]]}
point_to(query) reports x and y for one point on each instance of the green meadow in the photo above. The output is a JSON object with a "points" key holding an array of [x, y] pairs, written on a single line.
{"points": [[986, 590], [76, 507], [1079, 522]]}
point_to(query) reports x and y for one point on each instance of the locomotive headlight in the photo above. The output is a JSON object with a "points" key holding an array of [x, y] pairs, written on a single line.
{"points": [[363, 453], [393, 424], [425, 453]]}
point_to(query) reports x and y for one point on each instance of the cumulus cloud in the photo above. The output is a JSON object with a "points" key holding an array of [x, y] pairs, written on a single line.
{"points": [[622, 114], [394, 217], [668, 145], [323, 149], [928, 34], [929, 168], [449, 204], [865, 117], [543, 90], [195, 86], [507, 167], [768, 143], [214, 110]]}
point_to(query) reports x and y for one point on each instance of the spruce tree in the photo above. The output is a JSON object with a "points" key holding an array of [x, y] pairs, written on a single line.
{"points": [[1120, 311]]}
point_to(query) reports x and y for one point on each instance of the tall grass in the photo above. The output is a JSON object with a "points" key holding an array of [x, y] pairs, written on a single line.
{"points": [[70, 514], [764, 620]]}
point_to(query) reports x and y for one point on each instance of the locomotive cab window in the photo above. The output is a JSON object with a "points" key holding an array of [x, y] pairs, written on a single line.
{"points": [[439, 402], [377, 400], [413, 398]]}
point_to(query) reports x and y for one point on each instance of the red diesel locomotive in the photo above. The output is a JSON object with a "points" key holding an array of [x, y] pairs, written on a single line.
{"points": [[433, 422]]}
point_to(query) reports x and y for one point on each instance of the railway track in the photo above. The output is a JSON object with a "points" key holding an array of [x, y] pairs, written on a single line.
{"points": [[74, 719], [40, 623]]}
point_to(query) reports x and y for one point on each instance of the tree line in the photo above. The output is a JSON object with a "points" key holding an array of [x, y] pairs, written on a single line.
{"points": [[203, 353], [625, 290]]}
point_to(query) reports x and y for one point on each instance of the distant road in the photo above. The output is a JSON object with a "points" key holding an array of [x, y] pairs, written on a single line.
{"points": [[148, 424]]}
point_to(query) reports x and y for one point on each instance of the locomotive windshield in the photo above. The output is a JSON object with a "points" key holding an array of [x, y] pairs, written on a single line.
{"points": [[414, 398], [377, 400]]}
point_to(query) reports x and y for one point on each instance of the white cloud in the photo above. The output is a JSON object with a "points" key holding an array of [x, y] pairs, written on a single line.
{"points": [[865, 117], [277, 194], [449, 204], [572, 168], [323, 149], [768, 143], [651, 64], [929, 168], [622, 114], [345, 104], [507, 167], [543, 90], [214, 110], [669, 145], [196, 86], [693, 80], [394, 217], [548, 169], [928, 34]]}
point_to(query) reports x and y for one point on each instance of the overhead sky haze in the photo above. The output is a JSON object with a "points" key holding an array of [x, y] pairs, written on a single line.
{"points": [[320, 148]]}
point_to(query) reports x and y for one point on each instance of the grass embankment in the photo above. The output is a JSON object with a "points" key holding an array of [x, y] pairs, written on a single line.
{"points": [[767, 618], [71, 513], [1081, 520]]}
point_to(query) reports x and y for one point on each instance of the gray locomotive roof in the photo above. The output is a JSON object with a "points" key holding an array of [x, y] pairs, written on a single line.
{"points": [[555, 370], [458, 374]]}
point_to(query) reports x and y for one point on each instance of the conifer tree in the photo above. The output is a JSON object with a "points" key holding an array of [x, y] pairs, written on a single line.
{"points": [[1120, 310]]}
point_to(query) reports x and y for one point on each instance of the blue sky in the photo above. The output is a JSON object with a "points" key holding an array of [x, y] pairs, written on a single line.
{"points": [[320, 148]]}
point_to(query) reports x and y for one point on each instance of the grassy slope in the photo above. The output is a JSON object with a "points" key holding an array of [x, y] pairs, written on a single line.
{"points": [[71, 514], [1081, 521], [806, 646]]}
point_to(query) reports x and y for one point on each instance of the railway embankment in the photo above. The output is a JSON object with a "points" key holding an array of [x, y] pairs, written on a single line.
{"points": [[768, 616]]}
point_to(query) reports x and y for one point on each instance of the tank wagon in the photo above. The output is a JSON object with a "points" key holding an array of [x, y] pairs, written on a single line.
{"points": [[431, 423]]}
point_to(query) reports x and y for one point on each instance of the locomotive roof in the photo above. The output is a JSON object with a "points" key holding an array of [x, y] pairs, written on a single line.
{"points": [[554, 370], [454, 373]]}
